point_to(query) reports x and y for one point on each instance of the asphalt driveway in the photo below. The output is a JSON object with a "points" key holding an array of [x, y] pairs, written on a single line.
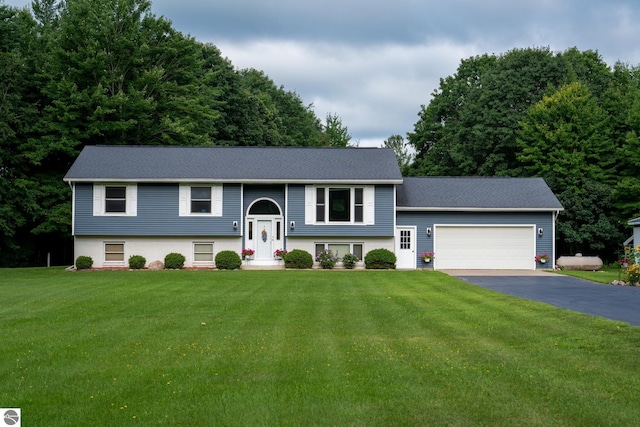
{"points": [[608, 301]]}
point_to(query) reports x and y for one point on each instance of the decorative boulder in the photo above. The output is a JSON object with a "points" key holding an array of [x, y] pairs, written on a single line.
{"points": [[156, 265], [579, 262]]}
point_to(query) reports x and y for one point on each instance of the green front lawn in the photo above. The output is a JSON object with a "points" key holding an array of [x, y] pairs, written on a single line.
{"points": [[605, 275], [280, 348]]}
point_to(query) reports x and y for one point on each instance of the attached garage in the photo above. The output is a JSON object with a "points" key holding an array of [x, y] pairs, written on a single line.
{"points": [[477, 222], [484, 247]]}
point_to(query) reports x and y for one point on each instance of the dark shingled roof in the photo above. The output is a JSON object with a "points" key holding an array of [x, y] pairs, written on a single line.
{"points": [[491, 193], [234, 164]]}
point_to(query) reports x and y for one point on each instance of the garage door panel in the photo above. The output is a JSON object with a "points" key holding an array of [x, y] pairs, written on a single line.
{"points": [[484, 247]]}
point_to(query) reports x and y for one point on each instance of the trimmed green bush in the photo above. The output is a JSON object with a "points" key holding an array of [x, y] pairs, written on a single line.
{"points": [[298, 258], [228, 260], [349, 261], [137, 262], [380, 259], [174, 261], [84, 262]]}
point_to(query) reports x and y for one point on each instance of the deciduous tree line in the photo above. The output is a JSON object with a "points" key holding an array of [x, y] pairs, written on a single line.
{"points": [[566, 117], [80, 72]]}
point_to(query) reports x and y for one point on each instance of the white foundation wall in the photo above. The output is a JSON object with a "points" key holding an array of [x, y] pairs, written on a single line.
{"points": [[152, 248], [369, 243]]}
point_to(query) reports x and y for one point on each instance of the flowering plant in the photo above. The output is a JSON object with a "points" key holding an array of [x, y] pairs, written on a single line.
{"points": [[327, 259], [279, 253], [349, 261], [633, 273], [542, 258], [623, 262], [247, 252], [427, 256]]}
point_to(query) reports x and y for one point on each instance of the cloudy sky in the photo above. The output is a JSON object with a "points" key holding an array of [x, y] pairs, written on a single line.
{"points": [[375, 63]]}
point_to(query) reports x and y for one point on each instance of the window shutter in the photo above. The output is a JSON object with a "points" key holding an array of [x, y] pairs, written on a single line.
{"points": [[184, 198], [369, 196], [132, 200], [216, 200], [98, 199], [309, 204]]}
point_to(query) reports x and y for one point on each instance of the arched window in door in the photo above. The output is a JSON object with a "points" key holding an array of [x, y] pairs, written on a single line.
{"points": [[264, 207]]}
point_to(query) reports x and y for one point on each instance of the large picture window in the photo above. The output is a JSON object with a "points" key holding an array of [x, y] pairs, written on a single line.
{"points": [[340, 205]]}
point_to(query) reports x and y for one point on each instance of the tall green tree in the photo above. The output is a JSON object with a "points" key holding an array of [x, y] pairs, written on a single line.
{"points": [[400, 148], [565, 139], [469, 126], [337, 133]]}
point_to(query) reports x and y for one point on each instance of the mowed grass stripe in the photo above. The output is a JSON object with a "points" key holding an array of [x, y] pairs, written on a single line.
{"points": [[304, 348]]}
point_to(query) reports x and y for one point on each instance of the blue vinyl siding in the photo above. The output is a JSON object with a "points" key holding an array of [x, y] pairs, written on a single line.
{"points": [[158, 206], [384, 216], [423, 220], [254, 192]]}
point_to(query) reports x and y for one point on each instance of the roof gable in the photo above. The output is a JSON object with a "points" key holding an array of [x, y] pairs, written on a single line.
{"points": [[234, 164], [476, 193]]}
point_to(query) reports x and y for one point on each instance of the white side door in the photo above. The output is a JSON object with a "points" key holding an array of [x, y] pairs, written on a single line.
{"points": [[406, 247]]}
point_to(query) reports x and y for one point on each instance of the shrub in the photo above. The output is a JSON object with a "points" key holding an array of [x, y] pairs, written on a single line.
{"points": [[228, 260], [174, 261], [84, 262], [298, 258], [349, 261], [327, 259], [380, 259], [137, 262]]}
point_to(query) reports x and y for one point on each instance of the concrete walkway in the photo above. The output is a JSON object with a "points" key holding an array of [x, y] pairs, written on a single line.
{"points": [[611, 302]]}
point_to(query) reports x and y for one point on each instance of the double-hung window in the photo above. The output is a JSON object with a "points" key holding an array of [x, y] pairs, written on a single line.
{"points": [[115, 199], [200, 200], [340, 205]]}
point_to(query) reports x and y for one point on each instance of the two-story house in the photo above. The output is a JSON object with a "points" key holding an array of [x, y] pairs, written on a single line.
{"points": [[197, 201]]}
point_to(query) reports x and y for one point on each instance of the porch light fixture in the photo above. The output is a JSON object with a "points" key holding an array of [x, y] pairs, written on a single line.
{"points": [[429, 231], [235, 224], [292, 225], [540, 232]]}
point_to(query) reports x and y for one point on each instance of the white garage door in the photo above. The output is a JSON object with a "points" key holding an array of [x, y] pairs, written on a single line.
{"points": [[484, 247]]}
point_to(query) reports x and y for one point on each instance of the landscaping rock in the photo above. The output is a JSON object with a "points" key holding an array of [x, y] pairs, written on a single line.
{"points": [[156, 265]]}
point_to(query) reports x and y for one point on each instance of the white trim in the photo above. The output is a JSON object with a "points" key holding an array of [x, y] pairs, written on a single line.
{"points": [[131, 199], [414, 243], [213, 253], [73, 209], [240, 181], [112, 262], [184, 200], [470, 209], [368, 205]]}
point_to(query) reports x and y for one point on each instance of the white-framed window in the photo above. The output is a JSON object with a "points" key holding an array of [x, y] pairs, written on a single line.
{"points": [[115, 199], [341, 249], [114, 252], [203, 252], [200, 200], [340, 205]]}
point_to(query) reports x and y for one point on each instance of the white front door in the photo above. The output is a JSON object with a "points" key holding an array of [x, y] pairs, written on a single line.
{"points": [[405, 247], [264, 240]]}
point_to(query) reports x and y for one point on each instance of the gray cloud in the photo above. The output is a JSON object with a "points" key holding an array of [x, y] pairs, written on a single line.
{"points": [[374, 64]]}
